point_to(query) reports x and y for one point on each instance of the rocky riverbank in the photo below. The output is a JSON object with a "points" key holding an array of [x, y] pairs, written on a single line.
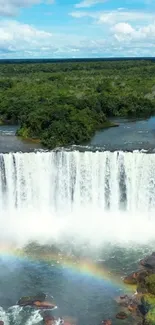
{"points": [[139, 308]]}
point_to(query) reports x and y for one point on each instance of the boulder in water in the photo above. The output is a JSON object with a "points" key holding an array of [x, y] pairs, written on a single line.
{"points": [[149, 262], [1, 322], [107, 322], [121, 315], [41, 300], [44, 304], [49, 320], [131, 278], [132, 308], [123, 300], [28, 300]]}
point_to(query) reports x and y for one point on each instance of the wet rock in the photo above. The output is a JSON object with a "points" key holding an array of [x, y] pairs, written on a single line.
{"points": [[141, 288], [131, 278], [121, 315], [40, 301], [141, 275], [149, 262], [1, 322], [28, 300], [123, 300], [132, 308], [129, 302], [137, 319], [44, 304], [137, 277], [106, 322], [49, 320]]}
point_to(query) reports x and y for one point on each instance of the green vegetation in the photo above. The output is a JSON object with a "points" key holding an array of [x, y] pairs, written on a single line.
{"points": [[148, 302], [150, 283], [150, 317], [65, 103]]}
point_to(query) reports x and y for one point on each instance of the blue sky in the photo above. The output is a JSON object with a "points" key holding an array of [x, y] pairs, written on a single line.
{"points": [[76, 28]]}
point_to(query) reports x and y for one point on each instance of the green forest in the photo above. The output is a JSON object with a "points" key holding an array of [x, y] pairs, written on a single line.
{"points": [[64, 103]]}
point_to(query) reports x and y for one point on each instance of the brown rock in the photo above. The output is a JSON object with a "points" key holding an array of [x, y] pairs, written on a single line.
{"points": [[123, 300], [141, 289], [132, 308], [121, 315], [141, 275], [44, 304], [107, 322], [1, 322], [49, 320], [131, 278]]}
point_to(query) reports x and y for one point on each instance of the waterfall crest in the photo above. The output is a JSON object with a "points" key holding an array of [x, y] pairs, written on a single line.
{"points": [[76, 188]]}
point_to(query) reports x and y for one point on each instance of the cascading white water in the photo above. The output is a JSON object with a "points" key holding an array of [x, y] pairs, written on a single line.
{"points": [[98, 196]]}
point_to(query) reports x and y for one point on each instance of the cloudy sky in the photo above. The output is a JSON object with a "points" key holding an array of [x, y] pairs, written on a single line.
{"points": [[76, 28]]}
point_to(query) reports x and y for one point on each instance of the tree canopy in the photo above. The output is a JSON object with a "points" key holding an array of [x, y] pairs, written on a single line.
{"points": [[64, 103]]}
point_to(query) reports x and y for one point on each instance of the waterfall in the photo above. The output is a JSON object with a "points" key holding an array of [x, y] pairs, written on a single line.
{"points": [[67, 189]]}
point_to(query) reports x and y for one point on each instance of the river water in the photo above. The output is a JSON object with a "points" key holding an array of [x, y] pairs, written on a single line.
{"points": [[10, 143], [81, 220]]}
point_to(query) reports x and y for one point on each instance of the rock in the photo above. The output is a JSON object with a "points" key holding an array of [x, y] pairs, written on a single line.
{"points": [[1, 322], [131, 278], [107, 322], [149, 261], [44, 305], [24, 301], [137, 319], [141, 275], [121, 315], [40, 300], [132, 308], [137, 277], [129, 302], [123, 300], [141, 288], [49, 320]]}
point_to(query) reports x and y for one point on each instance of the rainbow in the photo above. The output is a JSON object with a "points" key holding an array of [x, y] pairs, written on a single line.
{"points": [[83, 266]]}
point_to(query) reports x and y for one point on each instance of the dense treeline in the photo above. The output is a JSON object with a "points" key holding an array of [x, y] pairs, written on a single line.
{"points": [[64, 103]]}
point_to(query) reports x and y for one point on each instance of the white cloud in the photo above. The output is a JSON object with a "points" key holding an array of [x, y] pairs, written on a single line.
{"points": [[88, 3], [15, 36], [115, 16], [24, 40], [122, 38], [120, 16], [123, 28], [11, 7], [124, 32]]}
